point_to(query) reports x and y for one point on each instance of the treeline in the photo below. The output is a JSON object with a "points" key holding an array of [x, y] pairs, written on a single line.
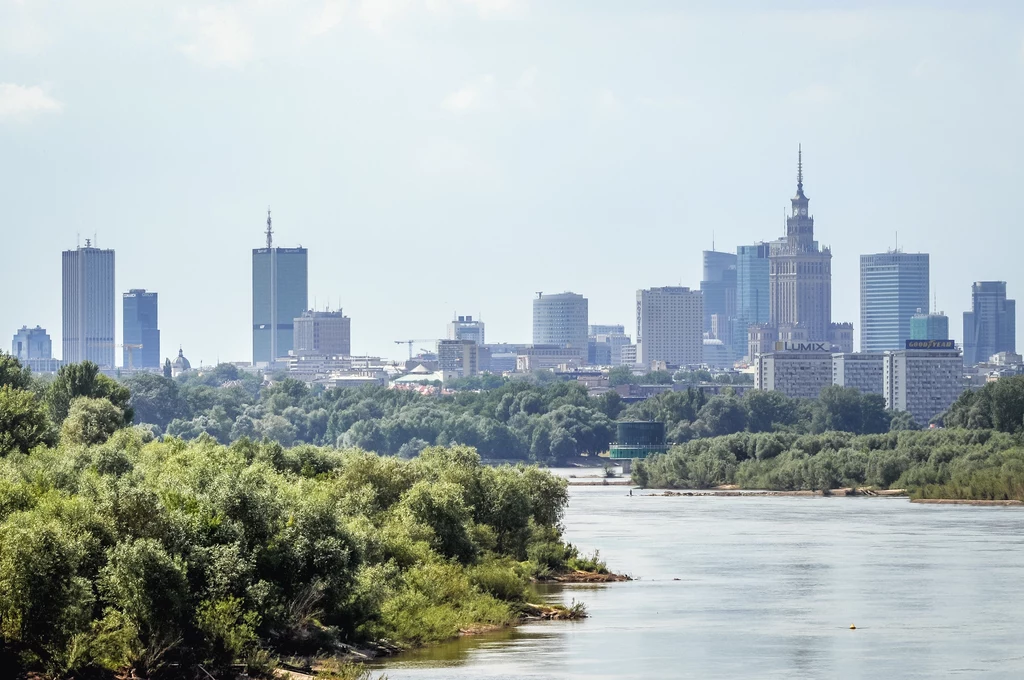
{"points": [[121, 554], [948, 463]]}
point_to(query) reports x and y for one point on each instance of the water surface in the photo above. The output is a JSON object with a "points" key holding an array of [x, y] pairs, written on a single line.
{"points": [[768, 587]]}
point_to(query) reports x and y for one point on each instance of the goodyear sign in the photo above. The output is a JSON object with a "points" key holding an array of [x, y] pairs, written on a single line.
{"points": [[930, 344], [802, 347]]}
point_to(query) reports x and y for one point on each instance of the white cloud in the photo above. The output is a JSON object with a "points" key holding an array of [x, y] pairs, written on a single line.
{"points": [[476, 96], [20, 102], [220, 38], [486, 94], [332, 14]]}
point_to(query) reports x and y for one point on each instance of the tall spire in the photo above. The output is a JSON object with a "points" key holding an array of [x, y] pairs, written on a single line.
{"points": [[270, 230], [799, 166]]}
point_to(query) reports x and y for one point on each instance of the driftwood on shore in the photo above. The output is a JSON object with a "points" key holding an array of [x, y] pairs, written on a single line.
{"points": [[963, 501], [732, 492]]}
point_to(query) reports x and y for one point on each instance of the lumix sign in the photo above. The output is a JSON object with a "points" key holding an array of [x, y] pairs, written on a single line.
{"points": [[802, 347]]}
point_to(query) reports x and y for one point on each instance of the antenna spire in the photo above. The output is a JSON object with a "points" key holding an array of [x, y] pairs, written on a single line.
{"points": [[799, 166], [270, 230]]}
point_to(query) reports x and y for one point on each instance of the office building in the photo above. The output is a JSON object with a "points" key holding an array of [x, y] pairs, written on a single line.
{"points": [[88, 305], [33, 348], [752, 288], [718, 290], [549, 358], [605, 343], [323, 333], [459, 357], [561, 320], [279, 296], [140, 329], [466, 328], [893, 287], [929, 326], [840, 337], [627, 355], [669, 326], [861, 371], [800, 273], [923, 382], [795, 373], [991, 325]]}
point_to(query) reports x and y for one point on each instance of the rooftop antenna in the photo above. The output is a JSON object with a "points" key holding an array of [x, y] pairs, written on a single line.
{"points": [[799, 166], [897, 240], [712, 240], [935, 301], [78, 239], [270, 230]]}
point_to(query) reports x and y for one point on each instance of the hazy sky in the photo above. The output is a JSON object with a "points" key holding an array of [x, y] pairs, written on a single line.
{"points": [[442, 156]]}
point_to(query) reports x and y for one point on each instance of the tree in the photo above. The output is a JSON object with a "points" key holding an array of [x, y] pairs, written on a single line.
{"points": [[723, 415], [168, 373], [902, 420], [85, 380], [768, 409], [622, 375], [154, 399], [13, 373], [838, 408], [23, 421], [91, 421]]}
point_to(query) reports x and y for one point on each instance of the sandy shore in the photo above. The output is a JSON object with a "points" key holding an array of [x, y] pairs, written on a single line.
{"points": [[961, 501], [730, 492]]}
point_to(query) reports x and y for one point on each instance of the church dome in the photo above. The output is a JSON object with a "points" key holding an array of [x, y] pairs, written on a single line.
{"points": [[181, 364]]}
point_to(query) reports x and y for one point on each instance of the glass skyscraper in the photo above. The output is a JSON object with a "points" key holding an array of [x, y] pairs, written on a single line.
{"points": [[561, 320], [139, 326], [752, 287], [279, 296], [893, 287], [991, 325], [718, 288], [88, 306]]}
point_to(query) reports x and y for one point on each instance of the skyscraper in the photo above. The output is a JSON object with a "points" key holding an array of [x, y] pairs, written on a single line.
{"points": [[561, 320], [279, 296], [893, 287], [139, 326], [925, 326], [718, 288], [752, 286], [991, 325], [669, 326], [88, 305], [466, 328], [800, 274]]}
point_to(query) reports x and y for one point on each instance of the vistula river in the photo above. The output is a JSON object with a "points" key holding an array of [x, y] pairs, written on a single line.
{"points": [[768, 587]]}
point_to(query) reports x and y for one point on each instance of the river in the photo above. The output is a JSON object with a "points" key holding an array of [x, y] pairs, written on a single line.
{"points": [[768, 587]]}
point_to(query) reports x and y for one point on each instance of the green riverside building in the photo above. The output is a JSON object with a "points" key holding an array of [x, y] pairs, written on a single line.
{"points": [[638, 439]]}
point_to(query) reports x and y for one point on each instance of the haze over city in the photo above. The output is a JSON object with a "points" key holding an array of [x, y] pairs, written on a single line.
{"points": [[455, 157]]}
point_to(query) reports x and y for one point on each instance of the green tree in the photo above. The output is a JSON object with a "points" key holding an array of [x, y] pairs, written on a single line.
{"points": [[12, 373], [85, 380], [91, 421], [23, 421], [154, 399]]}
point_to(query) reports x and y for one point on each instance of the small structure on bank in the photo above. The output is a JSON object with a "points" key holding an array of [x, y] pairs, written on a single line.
{"points": [[636, 439]]}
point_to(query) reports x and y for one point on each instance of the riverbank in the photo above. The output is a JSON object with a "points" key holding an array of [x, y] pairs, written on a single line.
{"points": [[964, 501], [732, 492]]}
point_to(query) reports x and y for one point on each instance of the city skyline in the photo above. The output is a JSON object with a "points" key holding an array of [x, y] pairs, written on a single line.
{"points": [[558, 147]]}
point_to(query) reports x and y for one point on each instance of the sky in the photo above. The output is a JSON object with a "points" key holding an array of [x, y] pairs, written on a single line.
{"points": [[442, 157]]}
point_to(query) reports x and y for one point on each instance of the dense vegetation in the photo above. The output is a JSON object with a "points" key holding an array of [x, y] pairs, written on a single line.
{"points": [[120, 552]]}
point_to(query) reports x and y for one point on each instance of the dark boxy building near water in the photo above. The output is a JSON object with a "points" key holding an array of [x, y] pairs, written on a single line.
{"points": [[638, 439]]}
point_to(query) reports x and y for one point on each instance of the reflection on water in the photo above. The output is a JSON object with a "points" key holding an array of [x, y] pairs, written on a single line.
{"points": [[768, 587]]}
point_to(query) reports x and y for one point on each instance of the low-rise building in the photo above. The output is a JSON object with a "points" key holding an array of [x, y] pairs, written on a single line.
{"points": [[861, 370], [923, 382], [549, 357]]}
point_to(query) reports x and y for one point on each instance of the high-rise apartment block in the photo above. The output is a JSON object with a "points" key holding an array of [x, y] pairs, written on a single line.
{"points": [[88, 305], [893, 287], [466, 328], [924, 382], [795, 373], [279, 296], [461, 357], [669, 326], [862, 371], [323, 333], [140, 329], [925, 326], [800, 274], [752, 288], [560, 320], [991, 325]]}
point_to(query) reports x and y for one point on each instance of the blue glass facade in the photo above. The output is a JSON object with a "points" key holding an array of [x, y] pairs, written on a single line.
{"points": [[140, 326], [752, 290], [279, 296]]}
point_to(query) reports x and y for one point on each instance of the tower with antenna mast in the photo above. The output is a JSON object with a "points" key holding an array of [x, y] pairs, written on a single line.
{"points": [[280, 294]]}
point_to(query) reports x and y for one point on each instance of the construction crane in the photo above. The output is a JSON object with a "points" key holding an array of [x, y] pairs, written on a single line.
{"points": [[128, 346], [413, 341]]}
